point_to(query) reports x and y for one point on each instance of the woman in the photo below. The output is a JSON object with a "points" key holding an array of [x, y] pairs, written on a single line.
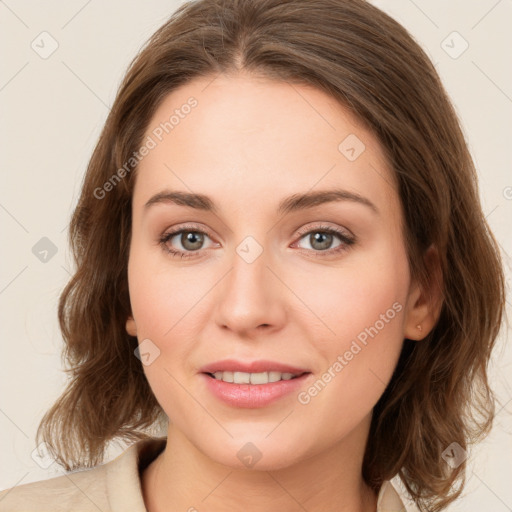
{"points": [[280, 250]]}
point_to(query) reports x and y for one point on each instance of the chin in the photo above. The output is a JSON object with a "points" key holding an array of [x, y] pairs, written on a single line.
{"points": [[255, 453]]}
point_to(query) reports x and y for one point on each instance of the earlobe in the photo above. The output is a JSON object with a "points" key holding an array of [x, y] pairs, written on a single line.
{"points": [[131, 328]]}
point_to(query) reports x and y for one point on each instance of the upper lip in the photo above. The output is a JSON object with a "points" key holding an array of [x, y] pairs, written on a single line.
{"points": [[231, 365]]}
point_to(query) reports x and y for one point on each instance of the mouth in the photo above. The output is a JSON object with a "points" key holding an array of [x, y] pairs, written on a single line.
{"points": [[255, 384], [256, 367], [255, 378]]}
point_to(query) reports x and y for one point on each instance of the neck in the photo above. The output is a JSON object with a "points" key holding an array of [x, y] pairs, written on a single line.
{"points": [[184, 478]]}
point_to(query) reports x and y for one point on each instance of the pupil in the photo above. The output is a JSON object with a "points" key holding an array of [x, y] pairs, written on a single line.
{"points": [[318, 237], [191, 238]]}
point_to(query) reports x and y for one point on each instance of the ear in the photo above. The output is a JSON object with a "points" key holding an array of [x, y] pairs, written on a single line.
{"points": [[131, 328], [424, 304]]}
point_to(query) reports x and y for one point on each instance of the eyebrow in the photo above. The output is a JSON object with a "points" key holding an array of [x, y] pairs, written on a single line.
{"points": [[293, 203]]}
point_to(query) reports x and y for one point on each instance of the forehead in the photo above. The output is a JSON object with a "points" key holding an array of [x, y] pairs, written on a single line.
{"points": [[261, 140]]}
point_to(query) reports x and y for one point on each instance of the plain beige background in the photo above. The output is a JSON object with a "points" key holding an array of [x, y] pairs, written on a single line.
{"points": [[53, 106]]}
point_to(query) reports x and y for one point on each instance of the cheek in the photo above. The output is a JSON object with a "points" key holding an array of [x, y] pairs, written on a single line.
{"points": [[342, 302], [169, 306], [162, 302], [161, 297], [360, 337]]}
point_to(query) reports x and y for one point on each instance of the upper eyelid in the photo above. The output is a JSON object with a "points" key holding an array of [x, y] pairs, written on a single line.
{"points": [[193, 228], [323, 227]]}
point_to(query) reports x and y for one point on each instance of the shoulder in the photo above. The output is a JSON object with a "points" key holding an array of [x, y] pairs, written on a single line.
{"points": [[389, 498], [111, 487], [81, 490]]}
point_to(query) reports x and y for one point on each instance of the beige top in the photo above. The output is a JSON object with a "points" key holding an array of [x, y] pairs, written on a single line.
{"points": [[115, 487]]}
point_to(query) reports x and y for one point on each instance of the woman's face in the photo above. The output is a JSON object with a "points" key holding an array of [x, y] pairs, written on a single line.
{"points": [[259, 276]]}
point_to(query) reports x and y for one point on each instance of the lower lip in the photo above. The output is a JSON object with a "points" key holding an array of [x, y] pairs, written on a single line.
{"points": [[253, 395]]}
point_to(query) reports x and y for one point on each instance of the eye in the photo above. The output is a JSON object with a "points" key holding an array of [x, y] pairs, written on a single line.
{"points": [[320, 239], [191, 240]]}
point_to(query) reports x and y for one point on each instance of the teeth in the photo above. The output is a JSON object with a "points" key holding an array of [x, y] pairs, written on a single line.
{"points": [[252, 378], [274, 376]]}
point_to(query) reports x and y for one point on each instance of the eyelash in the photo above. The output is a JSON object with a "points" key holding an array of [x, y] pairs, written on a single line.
{"points": [[346, 240]]}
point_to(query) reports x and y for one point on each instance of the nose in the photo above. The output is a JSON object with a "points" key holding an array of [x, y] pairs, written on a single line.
{"points": [[251, 297]]}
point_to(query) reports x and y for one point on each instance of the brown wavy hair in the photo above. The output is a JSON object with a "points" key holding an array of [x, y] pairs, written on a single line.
{"points": [[439, 392]]}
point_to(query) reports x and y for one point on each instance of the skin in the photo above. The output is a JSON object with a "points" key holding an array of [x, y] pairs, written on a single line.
{"points": [[248, 144]]}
